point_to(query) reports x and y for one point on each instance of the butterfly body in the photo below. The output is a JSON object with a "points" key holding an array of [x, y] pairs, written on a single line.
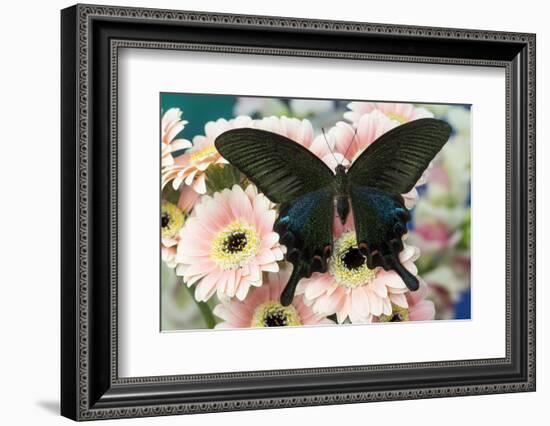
{"points": [[341, 187], [309, 193]]}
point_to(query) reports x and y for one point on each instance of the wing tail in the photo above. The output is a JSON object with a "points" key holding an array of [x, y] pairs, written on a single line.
{"points": [[297, 274], [409, 279], [388, 258]]}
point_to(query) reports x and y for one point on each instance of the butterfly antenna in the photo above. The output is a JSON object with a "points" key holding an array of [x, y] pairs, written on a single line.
{"points": [[328, 145], [351, 143]]}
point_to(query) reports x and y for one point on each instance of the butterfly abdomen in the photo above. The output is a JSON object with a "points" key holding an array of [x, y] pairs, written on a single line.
{"points": [[342, 208]]}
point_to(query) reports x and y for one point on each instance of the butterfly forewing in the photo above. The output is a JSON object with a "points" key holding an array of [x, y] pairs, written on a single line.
{"points": [[282, 169], [396, 160]]}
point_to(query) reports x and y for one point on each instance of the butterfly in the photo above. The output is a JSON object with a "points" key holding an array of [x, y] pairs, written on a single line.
{"points": [[309, 192]]}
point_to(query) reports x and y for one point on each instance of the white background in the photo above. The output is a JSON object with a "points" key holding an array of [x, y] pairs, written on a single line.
{"points": [[29, 225], [146, 352]]}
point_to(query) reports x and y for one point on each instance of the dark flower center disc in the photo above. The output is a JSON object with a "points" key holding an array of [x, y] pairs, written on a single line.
{"points": [[236, 242], [353, 258]]}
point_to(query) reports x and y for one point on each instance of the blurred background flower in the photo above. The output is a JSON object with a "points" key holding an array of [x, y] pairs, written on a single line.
{"points": [[441, 219], [438, 241]]}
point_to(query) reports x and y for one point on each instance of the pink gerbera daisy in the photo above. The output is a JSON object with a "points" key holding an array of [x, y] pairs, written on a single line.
{"points": [[300, 131], [420, 309], [262, 307], [348, 143], [172, 219], [227, 243], [171, 126], [189, 168], [400, 112], [350, 289]]}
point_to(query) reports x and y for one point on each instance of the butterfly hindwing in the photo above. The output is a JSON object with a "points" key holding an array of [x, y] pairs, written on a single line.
{"points": [[305, 228], [380, 222], [396, 160], [281, 168]]}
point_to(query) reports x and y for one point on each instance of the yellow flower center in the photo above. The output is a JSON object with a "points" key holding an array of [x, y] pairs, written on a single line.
{"points": [[399, 314], [203, 154], [235, 245], [348, 266], [273, 314], [171, 219], [397, 117]]}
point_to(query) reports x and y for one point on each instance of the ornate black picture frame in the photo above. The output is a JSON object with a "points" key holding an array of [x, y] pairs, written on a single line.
{"points": [[90, 39]]}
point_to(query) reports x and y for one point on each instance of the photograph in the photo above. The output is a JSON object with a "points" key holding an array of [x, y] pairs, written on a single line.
{"points": [[287, 212]]}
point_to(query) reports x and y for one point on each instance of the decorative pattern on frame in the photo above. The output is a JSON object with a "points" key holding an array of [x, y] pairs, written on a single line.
{"points": [[85, 14]]}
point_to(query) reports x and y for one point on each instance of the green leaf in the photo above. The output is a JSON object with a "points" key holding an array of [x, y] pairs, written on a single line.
{"points": [[464, 243], [426, 263], [206, 311], [170, 194], [219, 177]]}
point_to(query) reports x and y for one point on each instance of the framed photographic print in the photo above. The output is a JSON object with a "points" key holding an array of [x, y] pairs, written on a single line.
{"points": [[263, 212]]}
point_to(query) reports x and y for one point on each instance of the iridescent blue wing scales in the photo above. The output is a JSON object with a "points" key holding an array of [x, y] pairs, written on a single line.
{"points": [[305, 228], [380, 223]]}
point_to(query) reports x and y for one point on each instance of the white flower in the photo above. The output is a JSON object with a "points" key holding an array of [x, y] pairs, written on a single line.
{"points": [[171, 126]]}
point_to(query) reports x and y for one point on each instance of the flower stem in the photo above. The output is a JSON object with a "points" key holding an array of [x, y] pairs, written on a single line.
{"points": [[204, 309]]}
